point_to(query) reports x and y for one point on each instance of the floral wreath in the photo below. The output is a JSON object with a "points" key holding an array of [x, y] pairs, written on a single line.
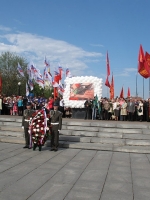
{"points": [[39, 127]]}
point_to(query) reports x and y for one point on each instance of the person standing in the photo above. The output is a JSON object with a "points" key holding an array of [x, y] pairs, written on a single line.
{"points": [[106, 109], [56, 124], [27, 114], [94, 108], [123, 111], [130, 109], [140, 111], [50, 104], [20, 106], [88, 110]]}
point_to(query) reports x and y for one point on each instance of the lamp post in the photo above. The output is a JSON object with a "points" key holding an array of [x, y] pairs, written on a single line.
{"points": [[19, 84]]}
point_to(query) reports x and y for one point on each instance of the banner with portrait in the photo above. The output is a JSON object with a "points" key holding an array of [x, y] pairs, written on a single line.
{"points": [[81, 91]]}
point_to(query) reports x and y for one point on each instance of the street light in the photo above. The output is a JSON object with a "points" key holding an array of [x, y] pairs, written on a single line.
{"points": [[19, 84]]}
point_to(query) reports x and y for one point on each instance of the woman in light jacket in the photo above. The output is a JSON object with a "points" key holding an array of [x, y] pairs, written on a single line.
{"points": [[140, 110], [123, 111]]}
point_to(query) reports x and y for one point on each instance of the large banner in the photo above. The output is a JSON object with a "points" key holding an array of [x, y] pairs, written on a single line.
{"points": [[81, 91]]}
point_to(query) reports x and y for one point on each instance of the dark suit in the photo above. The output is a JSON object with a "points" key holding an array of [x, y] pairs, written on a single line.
{"points": [[130, 110], [27, 114], [56, 123]]}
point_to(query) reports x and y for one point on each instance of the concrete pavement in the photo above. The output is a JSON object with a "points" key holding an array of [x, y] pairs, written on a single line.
{"points": [[72, 174]]}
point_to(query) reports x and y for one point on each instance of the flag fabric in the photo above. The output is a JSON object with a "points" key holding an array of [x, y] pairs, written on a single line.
{"points": [[46, 62], [122, 93], [107, 82], [112, 88], [20, 70], [60, 88], [128, 94], [108, 66], [39, 81], [68, 73], [60, 69], [54, 83], [27, 90], [29, 71], [143, 67], [147, 58], [30, 82], [47, 76]]}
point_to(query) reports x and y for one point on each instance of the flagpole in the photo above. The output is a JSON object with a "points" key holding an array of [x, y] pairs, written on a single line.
{"points": [[136, 86], [143, 87]]}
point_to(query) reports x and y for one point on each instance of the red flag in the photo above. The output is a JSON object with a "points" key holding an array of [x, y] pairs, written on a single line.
{"points": [[147, 58], [112, 88], [0, 84], [107, 82], [143, 67], [128, 94], [108, 66], [122, 93]]}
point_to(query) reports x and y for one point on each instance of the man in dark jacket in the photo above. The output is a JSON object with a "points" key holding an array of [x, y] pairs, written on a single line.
{"points": [[56, 123], [27, 114], [130, 109]]}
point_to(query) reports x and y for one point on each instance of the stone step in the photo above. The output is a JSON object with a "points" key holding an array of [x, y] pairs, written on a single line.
{"points": [[138, 142], [11, 128], [88, 146], [105, 147], [83, 128], [132, 126], [146, 131], [75, 139], [108, 140], [12, 133], [137, 136], [109, 135], [10, 124], [119, 130], [103, 124], [14, 140], [84, 133]]}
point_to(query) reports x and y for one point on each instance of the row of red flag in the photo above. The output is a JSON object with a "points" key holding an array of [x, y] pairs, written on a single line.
{"points": [[111, 85], [143, 70], [144, 63]]}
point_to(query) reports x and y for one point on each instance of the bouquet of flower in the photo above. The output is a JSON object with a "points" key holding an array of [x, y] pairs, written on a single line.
{"points": [[39, 128]]}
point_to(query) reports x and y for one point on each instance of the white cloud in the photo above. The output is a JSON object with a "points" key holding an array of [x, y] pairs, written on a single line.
{"points": [[35, 48], [4, 28]]}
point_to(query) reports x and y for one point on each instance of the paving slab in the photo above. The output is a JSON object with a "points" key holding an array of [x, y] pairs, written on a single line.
{"points": [[73, 174]]}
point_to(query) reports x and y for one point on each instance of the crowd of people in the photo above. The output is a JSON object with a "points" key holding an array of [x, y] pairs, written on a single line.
{"points": [[123, 109], [15, 105], [129, 109]]}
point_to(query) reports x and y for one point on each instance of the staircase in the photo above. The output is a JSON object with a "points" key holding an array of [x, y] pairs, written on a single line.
{"points": [[93, 135]]}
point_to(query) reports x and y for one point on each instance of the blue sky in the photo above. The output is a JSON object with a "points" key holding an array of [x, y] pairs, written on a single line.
{"points": [[77, 34]]}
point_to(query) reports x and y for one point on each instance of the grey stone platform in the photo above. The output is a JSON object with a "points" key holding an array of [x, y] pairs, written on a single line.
{"points": [[72, 174], [113, 136]]}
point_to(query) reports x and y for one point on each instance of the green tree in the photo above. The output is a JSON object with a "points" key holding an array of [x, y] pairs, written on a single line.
{"points": [[10, 75]]}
